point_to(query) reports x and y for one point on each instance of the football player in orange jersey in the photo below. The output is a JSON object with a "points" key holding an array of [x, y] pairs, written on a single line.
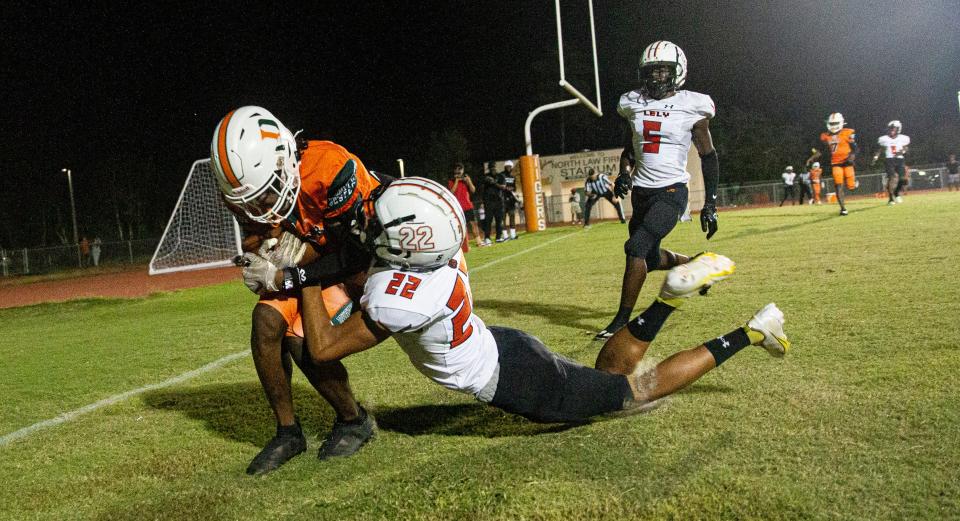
{"points": [[297, 205], [815, 173], [840, 145]]}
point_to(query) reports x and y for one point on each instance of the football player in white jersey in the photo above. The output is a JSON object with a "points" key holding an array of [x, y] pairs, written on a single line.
{"points": [[418, 292], [663, 122], [893, 145]]}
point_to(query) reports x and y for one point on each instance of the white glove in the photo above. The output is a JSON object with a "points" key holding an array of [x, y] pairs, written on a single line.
{"points": [[258, 273], [284, 253]]}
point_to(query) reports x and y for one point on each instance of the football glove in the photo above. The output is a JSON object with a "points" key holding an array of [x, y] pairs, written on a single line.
{"points": [[621, 187], [258, 273], [708, 220], [283, 253]]}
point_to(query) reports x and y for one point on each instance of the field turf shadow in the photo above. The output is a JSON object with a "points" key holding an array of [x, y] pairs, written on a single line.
{"points": [[559, 314], [469, 419], [239, 411]]}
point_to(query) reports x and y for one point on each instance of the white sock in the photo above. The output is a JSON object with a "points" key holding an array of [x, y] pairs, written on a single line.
{"points": [[513, 233]]}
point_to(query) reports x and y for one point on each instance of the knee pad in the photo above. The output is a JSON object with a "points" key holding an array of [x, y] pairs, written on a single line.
{"points": [[641, 243]]}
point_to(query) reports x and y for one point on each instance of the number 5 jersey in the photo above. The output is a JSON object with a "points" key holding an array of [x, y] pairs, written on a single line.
{"points": [[662, 133]]}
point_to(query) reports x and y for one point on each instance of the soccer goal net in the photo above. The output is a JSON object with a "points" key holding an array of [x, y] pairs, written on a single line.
{"points": [[202, 232]]}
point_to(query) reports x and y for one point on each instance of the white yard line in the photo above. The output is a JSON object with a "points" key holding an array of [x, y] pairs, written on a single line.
{"points": [[68, 416]]}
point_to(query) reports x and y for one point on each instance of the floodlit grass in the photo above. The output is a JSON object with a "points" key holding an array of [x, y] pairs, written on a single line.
{"points": [[860, 421]]}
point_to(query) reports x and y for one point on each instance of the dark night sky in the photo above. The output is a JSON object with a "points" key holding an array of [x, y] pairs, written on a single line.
{"points": [[152, 80]]}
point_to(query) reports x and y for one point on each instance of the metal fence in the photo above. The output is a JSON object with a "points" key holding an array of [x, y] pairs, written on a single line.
{"points": [[34, 261]]}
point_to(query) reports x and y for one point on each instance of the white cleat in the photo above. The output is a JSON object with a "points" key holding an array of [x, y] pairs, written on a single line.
{"points": [[899, 199], [697, 275], [769, 322]]}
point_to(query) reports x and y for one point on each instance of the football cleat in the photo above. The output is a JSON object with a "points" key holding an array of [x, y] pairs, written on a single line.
{"points": [[843, 211], [346, 438], [899, 199], [769, 322], [696, 276], [288, 442]]}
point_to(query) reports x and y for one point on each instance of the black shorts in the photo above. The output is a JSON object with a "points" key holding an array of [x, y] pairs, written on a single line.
{"points": [[548, 388], [894, 165], [657, 211], [470, 215]]}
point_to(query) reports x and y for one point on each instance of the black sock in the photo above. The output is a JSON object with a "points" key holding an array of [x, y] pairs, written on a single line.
{"points": [[647, 324], [623, 315], [723, 347]]}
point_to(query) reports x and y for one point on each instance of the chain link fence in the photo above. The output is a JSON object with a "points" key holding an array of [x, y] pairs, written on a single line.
{"points": [[35, 261]]}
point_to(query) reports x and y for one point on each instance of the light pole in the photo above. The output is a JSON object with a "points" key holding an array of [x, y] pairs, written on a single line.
{"points": [[73, 208]]}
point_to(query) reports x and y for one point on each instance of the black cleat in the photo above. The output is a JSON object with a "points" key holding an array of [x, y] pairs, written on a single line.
{"points": [[609, 331], [288, 442], [346, 438]]}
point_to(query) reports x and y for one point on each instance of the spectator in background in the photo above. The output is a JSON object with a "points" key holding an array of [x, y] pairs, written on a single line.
{"points": [[494, 185], [598, 186], [789, 176], [84, 251], [463, 189], [95, 250], [804, 185], [953, 178], [576, 206], [510, 200]]}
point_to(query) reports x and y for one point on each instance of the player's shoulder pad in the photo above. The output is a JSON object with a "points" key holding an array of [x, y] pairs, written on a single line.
{"points": [[699, 102]]}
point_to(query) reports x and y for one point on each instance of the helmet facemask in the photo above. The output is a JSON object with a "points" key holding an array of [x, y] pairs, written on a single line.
{"points": [[659, 78]]}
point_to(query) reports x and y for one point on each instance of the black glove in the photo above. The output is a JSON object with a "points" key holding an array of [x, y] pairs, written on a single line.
{"points": [[708, 220], [621, 187]]}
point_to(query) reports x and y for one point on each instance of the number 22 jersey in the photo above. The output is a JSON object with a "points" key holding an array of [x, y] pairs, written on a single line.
{"points": [[662, 133], [430, 314]]}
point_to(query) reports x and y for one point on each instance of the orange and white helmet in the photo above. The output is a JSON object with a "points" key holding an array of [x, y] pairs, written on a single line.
{"points": [[835, 122], [895, 124], [255, 160], [418, 225]]}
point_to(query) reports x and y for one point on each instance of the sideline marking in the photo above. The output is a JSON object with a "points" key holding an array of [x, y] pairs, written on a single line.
{"points": [[67, 416], [216, 364]]}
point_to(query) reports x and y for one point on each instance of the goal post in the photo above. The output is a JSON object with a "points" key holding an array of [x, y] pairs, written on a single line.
{"points": [[201, 233], [533, 200]]}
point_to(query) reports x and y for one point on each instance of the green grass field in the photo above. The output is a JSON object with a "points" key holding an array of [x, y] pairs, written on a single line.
{"points": [[860, 421]]}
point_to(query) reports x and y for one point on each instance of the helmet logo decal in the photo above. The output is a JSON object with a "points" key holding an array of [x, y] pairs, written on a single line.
{"points": [[267, 133], [419, 238]]}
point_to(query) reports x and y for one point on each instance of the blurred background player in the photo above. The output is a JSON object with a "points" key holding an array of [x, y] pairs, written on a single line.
{"points": [[510, 201], [463, 189], [420, 295], [953, 177], [595, 187], [816, 181], [893, 145], [663, 121], [840, 145], [493, 188], [789, 178], [804, 195], [296, 198]]}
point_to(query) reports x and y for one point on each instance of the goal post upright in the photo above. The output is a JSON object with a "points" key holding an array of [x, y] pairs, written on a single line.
{"points": [[533, 205]]}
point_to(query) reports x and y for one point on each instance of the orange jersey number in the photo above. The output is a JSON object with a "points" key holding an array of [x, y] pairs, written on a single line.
{"points": [[840, 144]]}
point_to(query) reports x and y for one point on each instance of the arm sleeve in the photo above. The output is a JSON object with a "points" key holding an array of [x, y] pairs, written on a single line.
{"points": [[710, 165]]}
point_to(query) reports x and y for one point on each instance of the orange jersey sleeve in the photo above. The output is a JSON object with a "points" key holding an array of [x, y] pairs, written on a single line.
{"points": [[320, 164], [839, 144]]}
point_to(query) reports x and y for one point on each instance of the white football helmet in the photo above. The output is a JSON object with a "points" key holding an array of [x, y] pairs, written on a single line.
{"points": [[418, 225], [835, 122], [895, 124], [660, 53], [255, 160], [789, 168], [816, 164]]}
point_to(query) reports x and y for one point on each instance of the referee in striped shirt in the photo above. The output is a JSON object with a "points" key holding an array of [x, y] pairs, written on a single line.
{"points": [[598, 186]]}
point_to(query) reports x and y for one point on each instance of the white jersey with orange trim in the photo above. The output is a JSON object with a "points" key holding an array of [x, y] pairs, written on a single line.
{"points": [[662, 133], [430, 314], [893, 146]]}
